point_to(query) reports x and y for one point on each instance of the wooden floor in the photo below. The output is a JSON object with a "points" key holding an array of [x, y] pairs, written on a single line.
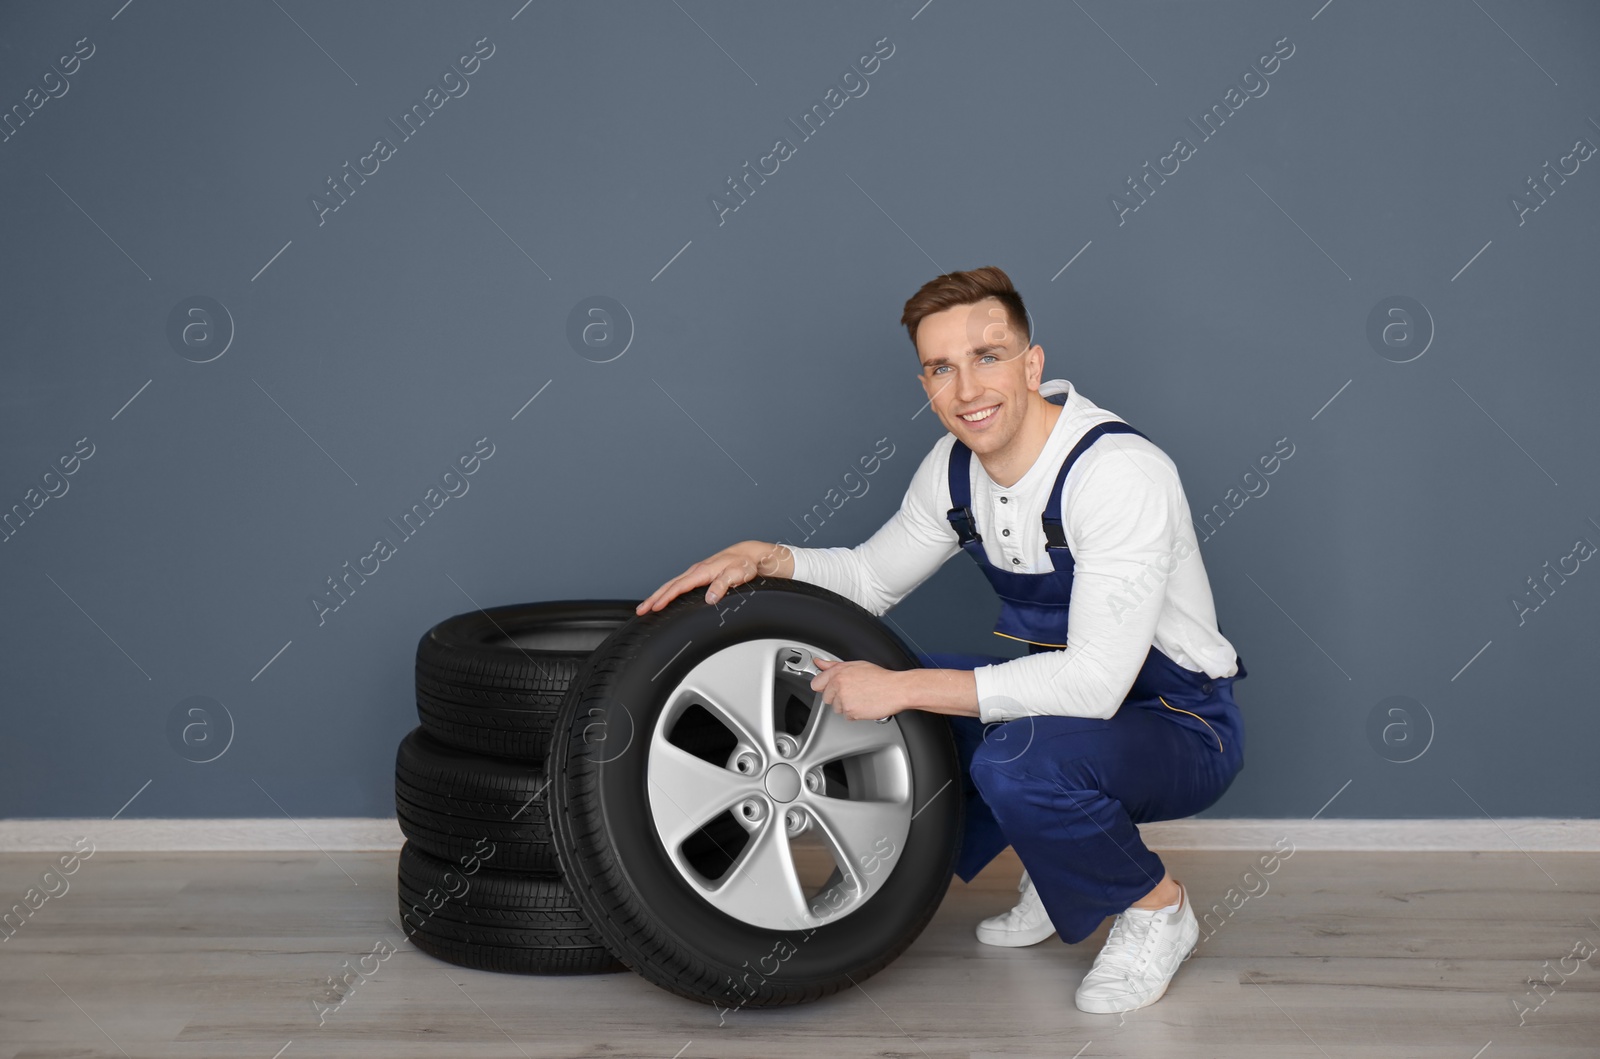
{"points": [[1343, 955]]}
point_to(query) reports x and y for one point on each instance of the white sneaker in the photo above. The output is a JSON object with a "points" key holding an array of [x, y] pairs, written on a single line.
{"points": [[1142, 953], [1026, 924]]}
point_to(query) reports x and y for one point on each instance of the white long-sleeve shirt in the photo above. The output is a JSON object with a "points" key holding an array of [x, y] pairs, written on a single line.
{"points": [[1138, 578]]}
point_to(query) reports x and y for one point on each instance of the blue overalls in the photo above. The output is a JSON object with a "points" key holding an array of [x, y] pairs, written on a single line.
{"points": [[1067, 792]]}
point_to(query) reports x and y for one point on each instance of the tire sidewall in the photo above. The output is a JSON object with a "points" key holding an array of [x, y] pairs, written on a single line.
{"points": [[483, 634]]}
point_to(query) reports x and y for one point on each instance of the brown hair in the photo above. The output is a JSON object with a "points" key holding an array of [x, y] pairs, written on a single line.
{"points": [[965, 288]]}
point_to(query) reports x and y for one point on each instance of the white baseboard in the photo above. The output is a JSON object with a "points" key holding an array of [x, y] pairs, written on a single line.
{"points": [[267, 834], [1530, 834], [1527, 834]]}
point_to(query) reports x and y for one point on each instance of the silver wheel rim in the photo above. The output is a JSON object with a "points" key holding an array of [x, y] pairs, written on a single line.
{"points": [[805, 825]]}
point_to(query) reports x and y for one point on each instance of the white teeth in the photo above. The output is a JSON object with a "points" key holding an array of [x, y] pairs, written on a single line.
{"points": [[978, 417]]}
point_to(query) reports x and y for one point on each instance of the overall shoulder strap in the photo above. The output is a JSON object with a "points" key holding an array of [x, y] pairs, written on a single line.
{"points": [[1055, 537], [960, 514]]}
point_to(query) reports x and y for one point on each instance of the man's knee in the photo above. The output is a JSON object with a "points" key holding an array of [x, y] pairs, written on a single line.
{"points": [[1007, 762], [1011, 765]]}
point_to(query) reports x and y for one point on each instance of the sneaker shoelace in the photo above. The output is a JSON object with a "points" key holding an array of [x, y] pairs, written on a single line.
{"points": [[1127, 946], [1026, 907]]}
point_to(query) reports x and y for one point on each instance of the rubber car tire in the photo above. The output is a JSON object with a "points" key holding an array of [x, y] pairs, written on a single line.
{"points": [[448, 800], [496, 920], [491, 681], [618, 869]]}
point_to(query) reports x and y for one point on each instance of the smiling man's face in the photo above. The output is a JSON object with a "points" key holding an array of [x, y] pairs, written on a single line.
{"points": [[975, 363]]}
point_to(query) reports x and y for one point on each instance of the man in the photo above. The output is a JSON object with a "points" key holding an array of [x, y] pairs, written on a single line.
{"points": [[1122, 711]]}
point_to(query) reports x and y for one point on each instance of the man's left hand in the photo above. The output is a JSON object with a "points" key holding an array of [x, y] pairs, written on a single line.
{"points": [[859, 691]]}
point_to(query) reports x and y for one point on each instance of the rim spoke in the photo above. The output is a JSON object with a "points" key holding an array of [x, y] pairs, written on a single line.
{"points": [[866, 836], [830, 736], [736, 685], [764, 886], [686, 792]]}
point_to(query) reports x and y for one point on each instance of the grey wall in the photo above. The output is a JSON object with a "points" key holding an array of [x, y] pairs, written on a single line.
{"points": [[340, 364]]}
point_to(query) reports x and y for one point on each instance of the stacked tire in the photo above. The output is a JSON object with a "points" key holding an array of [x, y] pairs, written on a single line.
{"points": [[666, 792], [479, 881]]}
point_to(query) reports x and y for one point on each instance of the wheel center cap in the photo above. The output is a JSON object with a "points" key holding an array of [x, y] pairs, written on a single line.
{"points": [[783, 782]]}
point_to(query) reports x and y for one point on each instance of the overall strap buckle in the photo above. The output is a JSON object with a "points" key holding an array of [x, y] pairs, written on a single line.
{"points": [[965, 525], [960, 515]]}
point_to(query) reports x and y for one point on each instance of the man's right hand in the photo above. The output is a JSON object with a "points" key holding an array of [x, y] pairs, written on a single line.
{"points": [[731, 566]]}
